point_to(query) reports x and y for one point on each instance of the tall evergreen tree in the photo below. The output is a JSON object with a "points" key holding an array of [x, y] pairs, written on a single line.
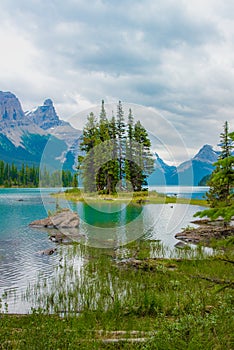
{"points": [[75, 181], [121, 136], [90, 140], [101, 168], [220, 195], [129, 163], [144, 163], [14, 174], [222, 178], [113, 172], [103, 124], [2, 165]]}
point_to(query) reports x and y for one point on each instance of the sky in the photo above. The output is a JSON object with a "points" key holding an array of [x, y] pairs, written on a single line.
{"points": [[173, 57]]}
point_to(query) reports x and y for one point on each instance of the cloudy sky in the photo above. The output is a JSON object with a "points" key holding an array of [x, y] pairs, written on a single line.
{"points": [[175, 56]]}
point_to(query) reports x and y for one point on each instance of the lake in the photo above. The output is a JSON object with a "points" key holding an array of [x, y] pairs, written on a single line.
{"points": [[196, 192], [104, 225]]}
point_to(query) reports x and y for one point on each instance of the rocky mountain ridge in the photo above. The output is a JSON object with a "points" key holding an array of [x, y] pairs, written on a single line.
{"points": [[188, 173], [45, 116], [24, 136]]}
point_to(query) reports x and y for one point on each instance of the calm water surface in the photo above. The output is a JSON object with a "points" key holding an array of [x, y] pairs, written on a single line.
{"points": [[103, 224], [196, 192]]}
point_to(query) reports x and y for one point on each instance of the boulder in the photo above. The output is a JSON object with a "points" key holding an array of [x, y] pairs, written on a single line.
{"points": [[62, 219], [180, 245], [65, 219], [57, 237], [47, 222], [48, 251], [66, 235]]}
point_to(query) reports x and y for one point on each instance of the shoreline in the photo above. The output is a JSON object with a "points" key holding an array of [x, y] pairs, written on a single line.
{"points": [[140, 198], [208, 233]]}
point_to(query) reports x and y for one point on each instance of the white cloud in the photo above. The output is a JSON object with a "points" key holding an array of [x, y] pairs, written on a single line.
{"points": [[176, 56]]}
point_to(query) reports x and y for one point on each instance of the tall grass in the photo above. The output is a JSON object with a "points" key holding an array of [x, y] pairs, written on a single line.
{"points": [[184, 302]]}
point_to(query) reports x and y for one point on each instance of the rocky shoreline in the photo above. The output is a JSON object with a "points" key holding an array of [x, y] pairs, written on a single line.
{"points": [[205, 232]]}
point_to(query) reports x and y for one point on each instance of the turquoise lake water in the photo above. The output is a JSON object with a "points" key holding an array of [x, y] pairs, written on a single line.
{"points": [[105, 225]]}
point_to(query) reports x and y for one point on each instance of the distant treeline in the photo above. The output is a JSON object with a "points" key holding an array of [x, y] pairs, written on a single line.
{"points": [[25, 176]]}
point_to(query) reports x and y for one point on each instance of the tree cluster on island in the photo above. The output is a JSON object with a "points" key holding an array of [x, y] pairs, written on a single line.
{"points": [[116, 153]]}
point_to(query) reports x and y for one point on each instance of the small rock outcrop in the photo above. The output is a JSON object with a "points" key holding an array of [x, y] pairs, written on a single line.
{"points": [[204, 234], [62, 219], [48, 251]]}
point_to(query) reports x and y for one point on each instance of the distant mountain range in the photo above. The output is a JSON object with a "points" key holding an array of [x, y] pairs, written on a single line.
{"points": [[188, 173], [25, 135]]}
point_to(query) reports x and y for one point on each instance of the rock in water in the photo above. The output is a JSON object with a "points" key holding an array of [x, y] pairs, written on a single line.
{"points": [[57, 237], [48, 251], [65, 219], [62, 219]]}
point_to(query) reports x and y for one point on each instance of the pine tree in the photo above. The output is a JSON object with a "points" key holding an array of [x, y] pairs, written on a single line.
{"points": [[220, 195], [144, 163], [7, 179], [90, 140], [221, 180], [120, 136], [27, 175], [103, 124], [113, 165], [75, 181], [22, 175], [2, 165], [129, 163], [45, 177], [101, 168], [13, 174]]}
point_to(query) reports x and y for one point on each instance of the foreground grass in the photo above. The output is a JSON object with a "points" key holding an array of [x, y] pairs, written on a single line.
{"points": [[168, 303]]}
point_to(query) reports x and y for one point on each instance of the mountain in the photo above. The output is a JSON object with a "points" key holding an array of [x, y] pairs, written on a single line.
{"points": [[10, 110], [191, 172], [45, 116], [13, 121], [207, 154], [35, 135], [163, 174], [188, 173]]}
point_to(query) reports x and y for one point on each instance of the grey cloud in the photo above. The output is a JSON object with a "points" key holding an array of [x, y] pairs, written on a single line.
{"points": [[155, 53], [104, 36]]}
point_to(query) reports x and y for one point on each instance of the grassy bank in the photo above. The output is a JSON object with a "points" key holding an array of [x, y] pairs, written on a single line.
{"points": [[128, 299], [143, 197]]}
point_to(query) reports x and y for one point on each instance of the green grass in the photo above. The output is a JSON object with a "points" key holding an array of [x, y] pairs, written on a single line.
{"points": [[224, 244], [143, 197], [183, 303]]}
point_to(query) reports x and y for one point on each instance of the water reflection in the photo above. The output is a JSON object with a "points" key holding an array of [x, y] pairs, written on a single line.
{"points": [[105, 227]]}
